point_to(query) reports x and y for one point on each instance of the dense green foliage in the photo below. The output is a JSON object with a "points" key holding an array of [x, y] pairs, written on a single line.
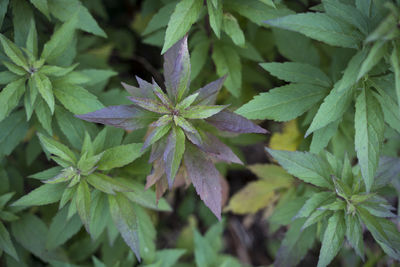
{"points": [[79, 152]]}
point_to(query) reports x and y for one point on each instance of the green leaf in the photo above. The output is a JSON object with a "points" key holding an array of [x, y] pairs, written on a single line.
{"points": [[394, 60], [143, 197], [61, 229], [119, 156], [198, 57], [378, 50], [106, 184], [60, 40], [6, 243], [347, 13], [364, 6], [45, 88], [22, 16], [350, 73], [173, 153], [58, 149], [7, 77], [354, 234], [295, 245], [314, 202], [43, 113], [3, 10], [298, 73], [156, 134], [185, 14], [369, 136], [42, 6], [33, 241], [186, 102], [283, 103], [72, 127], [13, 52], [332, 109], [88, 163], [215, 14], [30, 98], [390, 109], [147, 234], [306, 166], [320, 27], [65, 9], [232, 28], [321, 137], [14, 68], [98, 76], [82, 202], [160, 19], [269, 3], [333, 239], [4, 199], [167, 257], [227, 61], [125, 220], [10, 96], [43, 195], [255, 10], [204, 253], [32, 40], [56, 70], [378, 227], [14, 129], [99, 216], [76, 99], [202, 112], [187, 126]]}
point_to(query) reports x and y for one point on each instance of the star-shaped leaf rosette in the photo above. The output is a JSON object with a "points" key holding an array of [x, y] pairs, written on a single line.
{"points": [[181, 127]]}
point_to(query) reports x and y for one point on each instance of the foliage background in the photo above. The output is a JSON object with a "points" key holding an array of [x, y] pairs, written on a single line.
{"points": [[116, 40]]}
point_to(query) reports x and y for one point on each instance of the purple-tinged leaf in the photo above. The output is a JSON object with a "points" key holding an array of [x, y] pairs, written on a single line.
{"points": [[194, 138], [127, 117], [145, 89], [215, 148], [134, 91], [173, 153], [157, 150], [205, 178], [231, 122], [161, 187], [219, 150], [208, 94], [149, 104], [145, 85], [125, 220], [156, 135], [177, 69], [156, 174], [202, 112], [161, 95]]}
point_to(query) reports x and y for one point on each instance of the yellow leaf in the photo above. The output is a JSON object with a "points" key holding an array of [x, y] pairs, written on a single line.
{"points": [[260, 194], [253, 197], [289, 139], [273, 174]]}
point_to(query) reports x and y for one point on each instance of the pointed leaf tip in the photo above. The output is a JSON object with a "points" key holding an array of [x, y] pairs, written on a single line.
{"points": [[232, 122], [205, 179]]}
